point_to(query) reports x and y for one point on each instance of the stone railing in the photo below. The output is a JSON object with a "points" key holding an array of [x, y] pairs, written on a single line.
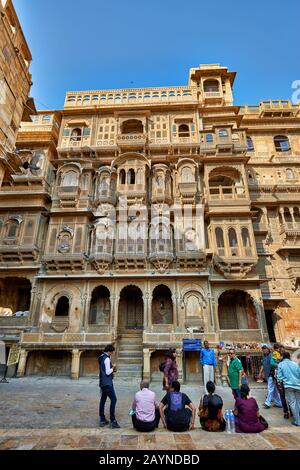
{"points": [[106, 98], [226, 192], [131, 139]]}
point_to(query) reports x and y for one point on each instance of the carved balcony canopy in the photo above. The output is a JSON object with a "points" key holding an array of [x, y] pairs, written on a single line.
{"points": [[223, 140]]}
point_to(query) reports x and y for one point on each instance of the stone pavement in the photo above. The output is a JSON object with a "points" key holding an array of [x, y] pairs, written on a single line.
{"points": [[57, 413]]}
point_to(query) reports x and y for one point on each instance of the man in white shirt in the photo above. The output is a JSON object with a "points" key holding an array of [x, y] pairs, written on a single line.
{"points": [[145, 405]]}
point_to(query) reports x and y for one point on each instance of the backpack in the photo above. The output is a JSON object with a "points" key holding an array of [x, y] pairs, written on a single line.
{"points": [[162, 366]]}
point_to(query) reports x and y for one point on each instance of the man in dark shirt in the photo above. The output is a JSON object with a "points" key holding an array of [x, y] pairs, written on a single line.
{"points": [[177, 412], [106, 373]]}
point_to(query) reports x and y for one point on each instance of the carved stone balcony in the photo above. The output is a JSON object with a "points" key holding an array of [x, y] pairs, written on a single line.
{"points": [[190, 259], [290, 236], [132, 97], [234, 267], [69, 195], [213, 97], [131, 141], [22, 254], [294, 275], [107, 196], [161, 255], [75, 142], [133, 192], [227, 194], [65, 262], [161, 195], [234, 143], [130, 256], [188, 192], [102, 261]]}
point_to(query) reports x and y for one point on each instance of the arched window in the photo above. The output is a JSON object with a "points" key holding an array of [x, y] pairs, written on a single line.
{"points": [[12, 229], [62, 307], [236, 311], [132, 126], [162, 305], [131, 176], [122, 177], [250, 146], [281, 143], [187, 175], [297, 215], [287, 216], [289, 174], [183, 130], [71, 99], [246, 241], [211, 86], [76, 135], [220, 241], [232, 238], [70, 178], [100, 306]]}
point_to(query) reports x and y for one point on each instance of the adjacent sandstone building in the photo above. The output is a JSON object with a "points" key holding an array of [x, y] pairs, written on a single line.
{"points": [[15, 83], [148, 216]]}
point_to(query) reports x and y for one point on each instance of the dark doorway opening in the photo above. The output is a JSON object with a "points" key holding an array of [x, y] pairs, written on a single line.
{"points": [[270, 325]]}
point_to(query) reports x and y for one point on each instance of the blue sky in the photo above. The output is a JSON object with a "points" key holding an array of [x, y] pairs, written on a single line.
{"points": [[96, 44]]}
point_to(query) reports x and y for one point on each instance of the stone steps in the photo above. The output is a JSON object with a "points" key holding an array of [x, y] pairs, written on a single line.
{"points": [[130, 356]]}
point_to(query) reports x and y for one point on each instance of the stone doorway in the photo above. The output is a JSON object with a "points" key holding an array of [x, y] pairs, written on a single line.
{"points": [[131, 309], [270, 320]]}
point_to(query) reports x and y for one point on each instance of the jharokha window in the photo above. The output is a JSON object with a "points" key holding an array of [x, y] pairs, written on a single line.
{"points": [[183, 130], [281, 143]]}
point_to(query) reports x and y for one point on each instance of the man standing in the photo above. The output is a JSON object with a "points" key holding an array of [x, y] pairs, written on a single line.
{"points": [[208, 361], [289, 373], [277, 356], [106, 370], [146, 417], [268, 368], [235, 372]]}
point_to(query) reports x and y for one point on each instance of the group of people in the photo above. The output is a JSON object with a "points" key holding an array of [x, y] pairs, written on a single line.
{"points": [[178, 413]]}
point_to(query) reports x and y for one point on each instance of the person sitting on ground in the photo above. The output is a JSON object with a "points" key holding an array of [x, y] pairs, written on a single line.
{"points": [[176, 410], [210, 410], [248, 419], [146, 417]]}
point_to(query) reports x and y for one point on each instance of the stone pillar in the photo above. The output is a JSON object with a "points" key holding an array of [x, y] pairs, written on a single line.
{"points": [[76, 353], [147, 313], [215, 305], [147, 366], [22, 363], [175, 310], [291, 209], [179, 355], [281, 212]]}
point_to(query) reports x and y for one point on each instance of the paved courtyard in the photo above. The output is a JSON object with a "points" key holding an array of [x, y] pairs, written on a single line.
{"points": [[57, 413]]}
